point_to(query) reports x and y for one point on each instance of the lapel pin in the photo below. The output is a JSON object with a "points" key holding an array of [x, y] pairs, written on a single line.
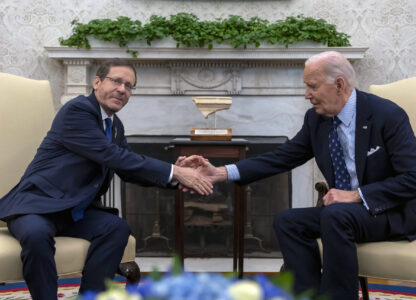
{"points": [[115, 132], [365, 127]]}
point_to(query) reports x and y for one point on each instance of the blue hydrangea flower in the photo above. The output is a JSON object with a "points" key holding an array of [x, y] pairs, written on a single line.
{"points": [[201, 286]]}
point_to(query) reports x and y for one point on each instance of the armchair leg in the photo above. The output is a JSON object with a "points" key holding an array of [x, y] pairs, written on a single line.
{"points": [[131, 271], [364, 287]]}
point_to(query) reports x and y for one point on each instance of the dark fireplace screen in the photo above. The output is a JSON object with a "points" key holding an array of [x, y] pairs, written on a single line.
{"points": [[208, 219]]}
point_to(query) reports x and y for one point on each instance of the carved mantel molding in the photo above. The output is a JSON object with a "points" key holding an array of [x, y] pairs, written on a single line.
{"points": [[223, 53], [195, 71]]}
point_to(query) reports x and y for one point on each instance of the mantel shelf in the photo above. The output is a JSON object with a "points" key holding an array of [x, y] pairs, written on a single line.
{"points": [[165, 53]]}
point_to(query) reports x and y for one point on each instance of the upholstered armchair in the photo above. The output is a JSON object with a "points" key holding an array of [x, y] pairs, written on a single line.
{"points": [[387, 260], [26, 113]]}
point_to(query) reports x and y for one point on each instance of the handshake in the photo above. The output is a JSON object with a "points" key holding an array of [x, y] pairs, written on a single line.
{"points": [[196, 174]]}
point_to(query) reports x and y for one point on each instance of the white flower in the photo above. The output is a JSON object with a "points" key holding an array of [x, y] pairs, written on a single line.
{"points": [[117, 294], [245, 290]]}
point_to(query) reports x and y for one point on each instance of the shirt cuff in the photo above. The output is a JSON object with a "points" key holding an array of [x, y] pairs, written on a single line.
{"points": [[232, 172], [175, 182], [362, 197]]}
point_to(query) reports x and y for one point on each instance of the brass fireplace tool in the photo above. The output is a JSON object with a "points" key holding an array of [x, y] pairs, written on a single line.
{"points": [[156, 228], [248, 230]]}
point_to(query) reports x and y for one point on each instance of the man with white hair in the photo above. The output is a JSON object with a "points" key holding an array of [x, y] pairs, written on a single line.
{"points": [[366, 149]]}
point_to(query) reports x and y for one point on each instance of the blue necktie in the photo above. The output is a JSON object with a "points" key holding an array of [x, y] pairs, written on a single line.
{"points": [[108, 124], [78, 211], [342, 177]]}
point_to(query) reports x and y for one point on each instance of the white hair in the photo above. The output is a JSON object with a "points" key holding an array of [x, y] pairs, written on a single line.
{"points": [[335, 65]]}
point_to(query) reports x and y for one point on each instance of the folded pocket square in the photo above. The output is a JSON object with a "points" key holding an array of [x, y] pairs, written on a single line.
{"points": [[373, 150]]}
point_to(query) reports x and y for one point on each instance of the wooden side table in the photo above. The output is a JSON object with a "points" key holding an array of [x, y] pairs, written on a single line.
{"points": [[235, 150]]}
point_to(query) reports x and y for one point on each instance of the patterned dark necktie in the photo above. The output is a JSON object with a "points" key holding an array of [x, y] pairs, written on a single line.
{"points": [[342, 177], [78, 211]]}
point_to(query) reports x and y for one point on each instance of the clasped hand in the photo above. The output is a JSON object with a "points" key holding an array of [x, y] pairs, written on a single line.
{"points": [[200, 174]]}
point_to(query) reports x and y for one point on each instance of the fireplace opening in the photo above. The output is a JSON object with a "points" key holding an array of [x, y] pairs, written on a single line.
{"points": [[208, 220]]}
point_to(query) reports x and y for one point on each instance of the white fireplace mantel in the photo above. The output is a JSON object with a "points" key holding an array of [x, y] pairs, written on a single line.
{"points": [[163, 70], [265, 83], [277, 53]]}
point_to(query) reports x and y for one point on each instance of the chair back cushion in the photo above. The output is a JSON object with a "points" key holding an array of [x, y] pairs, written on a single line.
{"points": [[26, 113], [401, 92]]}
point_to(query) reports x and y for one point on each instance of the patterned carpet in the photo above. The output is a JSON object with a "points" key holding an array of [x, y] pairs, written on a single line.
{"points": [[68, 290], [391, 292]]}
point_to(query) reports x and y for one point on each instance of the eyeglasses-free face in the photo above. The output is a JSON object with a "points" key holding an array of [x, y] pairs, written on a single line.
{"points": [[113, 91]]}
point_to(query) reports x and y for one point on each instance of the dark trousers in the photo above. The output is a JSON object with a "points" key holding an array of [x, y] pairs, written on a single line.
{"points": [[107, 233], [340, 226]]}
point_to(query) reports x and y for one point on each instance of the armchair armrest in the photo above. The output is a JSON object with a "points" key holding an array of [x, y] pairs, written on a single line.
{"points": [[322, 188]]}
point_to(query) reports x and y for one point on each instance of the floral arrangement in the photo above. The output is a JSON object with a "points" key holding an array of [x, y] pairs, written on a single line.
{"points": [[189, 286], [178, 285]]}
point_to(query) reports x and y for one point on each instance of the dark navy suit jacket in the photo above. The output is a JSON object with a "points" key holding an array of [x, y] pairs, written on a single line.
{"points": [[387, 177], [75, 162]]}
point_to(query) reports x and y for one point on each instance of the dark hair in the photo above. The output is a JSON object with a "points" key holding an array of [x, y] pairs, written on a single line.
{"points": [[106, 65]]}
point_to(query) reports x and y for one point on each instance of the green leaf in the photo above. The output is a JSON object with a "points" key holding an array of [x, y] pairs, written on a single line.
{"points": [[112, 285], [155, 275], [176, 265], [186, 29], [284, 280], [231, 275]]}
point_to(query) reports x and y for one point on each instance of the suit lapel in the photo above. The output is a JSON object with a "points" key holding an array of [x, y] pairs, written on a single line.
{"points": [[116, 130], [96, 105], [116, 121], [362, 135]]}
